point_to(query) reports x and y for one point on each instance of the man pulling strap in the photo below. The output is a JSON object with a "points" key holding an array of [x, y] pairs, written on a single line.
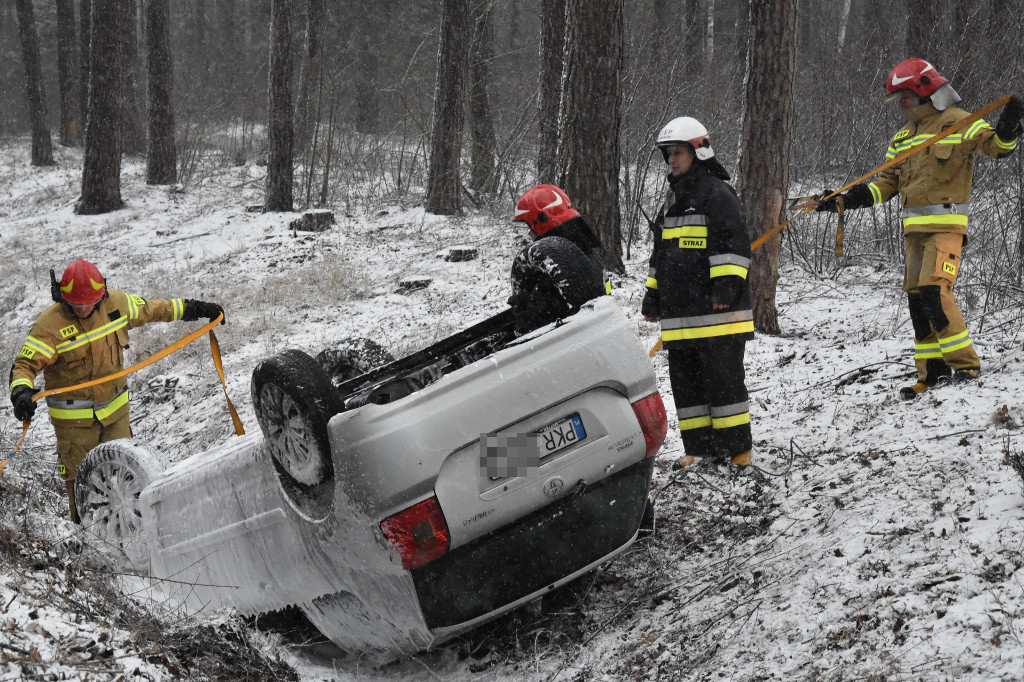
{"points": [[81, 337], [935, 187]]}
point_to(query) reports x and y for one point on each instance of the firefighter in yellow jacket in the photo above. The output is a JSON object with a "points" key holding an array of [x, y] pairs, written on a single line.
{"points": [[81, 337], [935, 186]]}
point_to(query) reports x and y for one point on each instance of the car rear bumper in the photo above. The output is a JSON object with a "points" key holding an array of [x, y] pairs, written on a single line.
{"points": [[537, 553]]}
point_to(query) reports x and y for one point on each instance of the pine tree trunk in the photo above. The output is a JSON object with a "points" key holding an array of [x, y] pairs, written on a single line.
{"points": [[84, 36], [552, 56], [305, 111], [67, 75], [101, 172], [590, 119], [42, 147], [481, 121], [767, 133], [279, 165], [443, 185], [161, 161], [133, 137]]}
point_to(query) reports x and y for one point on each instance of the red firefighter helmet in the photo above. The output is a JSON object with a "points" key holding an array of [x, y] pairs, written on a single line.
{"points": [[82, 283], [544, 208], [916, 75]]}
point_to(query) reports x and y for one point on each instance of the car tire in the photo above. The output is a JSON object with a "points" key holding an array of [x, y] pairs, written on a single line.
{"points": [[351, 358], [108, 484], [294, 399], [552, 278]]}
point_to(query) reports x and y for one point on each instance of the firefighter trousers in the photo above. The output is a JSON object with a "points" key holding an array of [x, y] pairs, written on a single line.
{"points": [[941, 339], [74, 442], [711, 397]]}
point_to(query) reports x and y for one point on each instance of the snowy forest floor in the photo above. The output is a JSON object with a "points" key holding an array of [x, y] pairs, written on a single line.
{"points": [[884, 542]]}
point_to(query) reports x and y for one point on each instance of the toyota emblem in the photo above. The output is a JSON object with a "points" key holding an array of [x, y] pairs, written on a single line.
{"points": [[554, 487]]}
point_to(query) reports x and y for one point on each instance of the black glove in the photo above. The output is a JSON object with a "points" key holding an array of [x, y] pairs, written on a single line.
{"points": [[651, 304], [1008, 126], [858, 196], [196, 309], [827, 205], [24, 407]]}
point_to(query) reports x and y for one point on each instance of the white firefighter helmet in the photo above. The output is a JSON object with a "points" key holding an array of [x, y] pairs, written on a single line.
{"points": [[690, 131]]}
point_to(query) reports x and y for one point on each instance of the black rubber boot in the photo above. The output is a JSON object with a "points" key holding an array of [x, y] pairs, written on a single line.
{"points": [[936, 372]]}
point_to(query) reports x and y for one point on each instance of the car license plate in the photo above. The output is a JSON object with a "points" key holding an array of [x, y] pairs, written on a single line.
{"points": [[561, 435]]}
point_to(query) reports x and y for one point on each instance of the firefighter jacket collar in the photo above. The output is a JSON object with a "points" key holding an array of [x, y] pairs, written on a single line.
{"points": [[682, 183], [920, 112]]}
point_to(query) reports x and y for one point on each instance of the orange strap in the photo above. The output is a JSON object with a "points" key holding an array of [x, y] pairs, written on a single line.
{"points": [[7, 458], [215, 351], [900, 158], [840, 228], [159, 355]]}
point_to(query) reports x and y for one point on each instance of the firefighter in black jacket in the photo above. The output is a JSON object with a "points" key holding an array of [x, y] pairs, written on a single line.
{"points": [[697, 288], [560, 270]]}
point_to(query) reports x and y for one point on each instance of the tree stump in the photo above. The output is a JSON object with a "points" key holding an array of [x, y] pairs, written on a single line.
{"points": [[460, 253], [411, 283], [317, 220]]}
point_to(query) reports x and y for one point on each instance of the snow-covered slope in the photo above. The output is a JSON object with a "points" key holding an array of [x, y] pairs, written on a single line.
{"points": [[885, 540]]}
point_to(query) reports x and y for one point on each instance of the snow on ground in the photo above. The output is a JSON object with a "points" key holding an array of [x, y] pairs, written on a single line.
{"points": [[885, 540]]}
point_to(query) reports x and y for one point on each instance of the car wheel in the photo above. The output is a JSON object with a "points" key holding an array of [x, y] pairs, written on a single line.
{"points": [[294, 399], [108, 484], [351, 358], [552, 278]]}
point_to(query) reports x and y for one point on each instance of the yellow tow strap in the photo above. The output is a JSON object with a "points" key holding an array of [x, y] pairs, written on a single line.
{"points": [[159, 355], [900, 158]]}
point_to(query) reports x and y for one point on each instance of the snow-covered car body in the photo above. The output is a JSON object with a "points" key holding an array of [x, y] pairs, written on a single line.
{"points": [[497, 482]]}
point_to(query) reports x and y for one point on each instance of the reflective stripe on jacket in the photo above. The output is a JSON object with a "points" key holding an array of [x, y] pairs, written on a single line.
{"points": [[701, 257], [935, 184], [70, 351]]}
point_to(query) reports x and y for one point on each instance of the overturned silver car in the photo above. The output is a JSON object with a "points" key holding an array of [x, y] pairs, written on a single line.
{"points": [[400, 502]]}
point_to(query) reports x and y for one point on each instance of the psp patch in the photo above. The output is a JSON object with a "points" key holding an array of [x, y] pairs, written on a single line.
{"points": [[68, 332], [949, 268], [27, 352]]}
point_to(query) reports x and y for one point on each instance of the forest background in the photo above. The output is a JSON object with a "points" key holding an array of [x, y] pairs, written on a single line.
{"points": [[466, 103]]}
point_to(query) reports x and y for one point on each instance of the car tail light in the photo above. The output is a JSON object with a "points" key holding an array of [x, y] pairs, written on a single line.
{"points": [[419, 534], [650, 412]]}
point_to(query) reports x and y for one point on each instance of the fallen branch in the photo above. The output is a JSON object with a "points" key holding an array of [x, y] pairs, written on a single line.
{"points": [[956, 433], [15, 649]]}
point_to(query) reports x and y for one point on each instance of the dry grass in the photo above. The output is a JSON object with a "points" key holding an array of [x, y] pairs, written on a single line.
{"points": [[49, 569]]}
